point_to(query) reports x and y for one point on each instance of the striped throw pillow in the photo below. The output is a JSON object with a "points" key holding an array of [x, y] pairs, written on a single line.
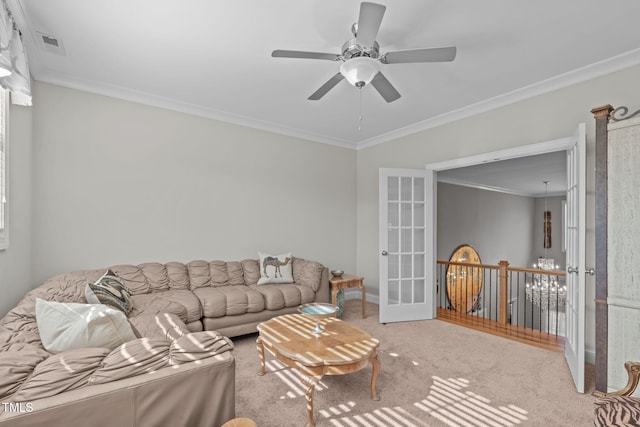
{"points": [[109, 290]]}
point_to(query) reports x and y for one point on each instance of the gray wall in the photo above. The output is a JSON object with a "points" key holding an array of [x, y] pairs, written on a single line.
{"points": [[499, 226], [118, 182], [15, 262], [554, 204]]}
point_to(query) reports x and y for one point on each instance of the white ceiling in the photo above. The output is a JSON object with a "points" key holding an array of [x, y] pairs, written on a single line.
{"points": [[213, 58], [523, 176]]}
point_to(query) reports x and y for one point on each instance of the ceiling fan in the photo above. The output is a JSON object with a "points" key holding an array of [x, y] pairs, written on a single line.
{"points": [[361, 59]]}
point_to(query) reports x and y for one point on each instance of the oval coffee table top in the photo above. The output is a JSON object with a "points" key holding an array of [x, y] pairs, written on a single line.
{"points": [[341, 343]]}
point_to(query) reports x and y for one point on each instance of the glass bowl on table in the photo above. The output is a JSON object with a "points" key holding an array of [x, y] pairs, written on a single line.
{"points": [[318, 311]]}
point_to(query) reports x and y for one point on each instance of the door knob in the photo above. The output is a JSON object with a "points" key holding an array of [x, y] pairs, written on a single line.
{"points": [[385, 253], [591, 272], [572, 270]]}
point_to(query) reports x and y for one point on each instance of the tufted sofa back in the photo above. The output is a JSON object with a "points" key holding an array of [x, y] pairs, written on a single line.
{"points": [[150, 277]]}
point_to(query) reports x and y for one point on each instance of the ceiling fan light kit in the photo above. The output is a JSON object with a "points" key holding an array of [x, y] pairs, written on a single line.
{"points": [[360, 71], [361, 57]]}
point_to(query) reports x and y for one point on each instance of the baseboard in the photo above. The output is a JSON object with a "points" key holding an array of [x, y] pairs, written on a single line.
{"points": [[590, 355], [356, 293]]}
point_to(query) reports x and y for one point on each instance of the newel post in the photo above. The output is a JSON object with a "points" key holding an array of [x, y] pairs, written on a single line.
{"points": [[504, 284]]}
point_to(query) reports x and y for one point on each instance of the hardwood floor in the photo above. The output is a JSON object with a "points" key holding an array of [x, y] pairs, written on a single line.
{"points": [[512, 332]]}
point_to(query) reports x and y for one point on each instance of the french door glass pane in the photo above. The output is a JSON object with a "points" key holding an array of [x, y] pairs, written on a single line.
{"points": [[406, 240], [406, 215], [418, 265], [418, 214], [393, 217], [393, 292], [418, 189], [418, 240], [406, 265], [394, 240], [406, 189], [407, 292], [393, 188], [394, 266], [418, 291]]}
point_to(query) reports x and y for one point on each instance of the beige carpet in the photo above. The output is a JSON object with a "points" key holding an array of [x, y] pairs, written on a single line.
{"points": [[433, 374]]}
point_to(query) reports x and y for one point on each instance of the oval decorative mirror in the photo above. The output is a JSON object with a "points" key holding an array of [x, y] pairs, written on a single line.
{"points": [[464, 282]]}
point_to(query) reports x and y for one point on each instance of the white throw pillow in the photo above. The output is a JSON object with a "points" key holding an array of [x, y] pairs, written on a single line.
{"points": [[65, 326], [275, 268]]}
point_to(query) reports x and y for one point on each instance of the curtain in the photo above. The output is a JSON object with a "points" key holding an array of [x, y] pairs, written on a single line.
{"points": [[13, 58]]}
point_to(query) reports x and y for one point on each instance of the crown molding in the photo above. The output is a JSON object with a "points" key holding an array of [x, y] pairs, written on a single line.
{"points": [[601, 68], [588, 72], [145, 98]]}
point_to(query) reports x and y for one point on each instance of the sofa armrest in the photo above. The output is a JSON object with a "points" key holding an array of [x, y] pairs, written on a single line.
{"points": [[633, 371], [323, 294]]}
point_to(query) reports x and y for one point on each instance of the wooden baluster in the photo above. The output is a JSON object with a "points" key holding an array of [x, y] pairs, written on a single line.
{"points": [[504, 284]]}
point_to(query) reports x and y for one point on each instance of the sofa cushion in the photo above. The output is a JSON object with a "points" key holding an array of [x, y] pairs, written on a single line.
{"points": [[182, 303], [229, 300], [154, 303], [66, 326], [164, 325], [197, 346], [235, 273], [178, 275], [250, 271], [188, 300], [278, 296], [219, 273], [307, 273], [156, 275], [59, 373], [275, 268], [199, 274], [149, 354], [17, 366], [133, 278], [109, 290]]}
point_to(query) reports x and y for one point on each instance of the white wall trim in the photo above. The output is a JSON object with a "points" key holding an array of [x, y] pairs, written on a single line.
{"points": [[579, 75], [145, 98], [494, 189], [508, 153]]}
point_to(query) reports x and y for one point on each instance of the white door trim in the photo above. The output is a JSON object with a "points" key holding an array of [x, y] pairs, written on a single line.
{"points": [[508, 153]]}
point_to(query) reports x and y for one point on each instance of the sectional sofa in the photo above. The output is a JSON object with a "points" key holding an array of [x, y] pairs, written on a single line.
{"points": [[179, 370]]}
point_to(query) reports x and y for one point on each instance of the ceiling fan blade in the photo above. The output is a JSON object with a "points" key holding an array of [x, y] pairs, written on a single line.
{"points": [[385, 88], [326, 87], [304, 55], [438, 54], [369, 23]]}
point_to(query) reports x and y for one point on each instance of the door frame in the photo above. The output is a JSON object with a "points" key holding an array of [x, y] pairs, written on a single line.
{"points": [[561, 144]]}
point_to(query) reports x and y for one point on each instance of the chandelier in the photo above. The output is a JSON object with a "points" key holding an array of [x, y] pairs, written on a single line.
{"points": [[545, 291]]}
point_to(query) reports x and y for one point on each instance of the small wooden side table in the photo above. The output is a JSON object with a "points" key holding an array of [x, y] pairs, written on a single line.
{"points": [[347, 281]]}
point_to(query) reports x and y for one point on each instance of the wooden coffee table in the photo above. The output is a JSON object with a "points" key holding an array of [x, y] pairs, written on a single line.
{"points": [[341, 349]]}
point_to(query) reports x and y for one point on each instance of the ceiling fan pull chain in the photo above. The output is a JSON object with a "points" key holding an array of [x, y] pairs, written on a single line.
{"points": [[360, 114]]}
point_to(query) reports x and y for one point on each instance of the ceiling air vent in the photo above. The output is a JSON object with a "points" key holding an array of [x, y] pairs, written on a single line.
{"points": [[49, 43]]}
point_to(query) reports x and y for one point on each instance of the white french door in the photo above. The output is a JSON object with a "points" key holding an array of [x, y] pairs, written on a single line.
{"points": [[407, 242], [576, 266]]}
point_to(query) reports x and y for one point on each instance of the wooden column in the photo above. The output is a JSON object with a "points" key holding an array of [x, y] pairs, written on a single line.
{"points": [[601, 115], [504, 286]]}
